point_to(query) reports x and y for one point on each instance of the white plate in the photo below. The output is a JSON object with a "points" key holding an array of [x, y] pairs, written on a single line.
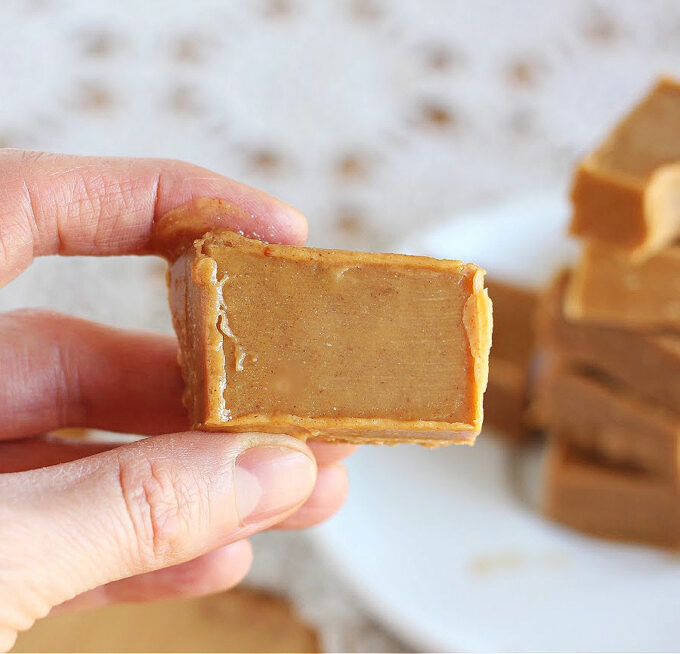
{"points": [[441, 547]]}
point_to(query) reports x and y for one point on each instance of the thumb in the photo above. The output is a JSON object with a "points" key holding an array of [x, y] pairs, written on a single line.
{"points": [[69, 528]]}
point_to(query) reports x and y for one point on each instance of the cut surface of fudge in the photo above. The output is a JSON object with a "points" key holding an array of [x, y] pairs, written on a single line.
{"points": [[607, 288], [648, 364], [612, 423], [330, 344], [608, 502], [626, 193]]}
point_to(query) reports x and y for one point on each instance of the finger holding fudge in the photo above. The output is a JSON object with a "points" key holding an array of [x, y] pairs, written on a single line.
{"points": [[73, 205]]}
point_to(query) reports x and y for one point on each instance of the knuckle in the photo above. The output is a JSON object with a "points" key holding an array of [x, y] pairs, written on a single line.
{"points": [[158, 507]]}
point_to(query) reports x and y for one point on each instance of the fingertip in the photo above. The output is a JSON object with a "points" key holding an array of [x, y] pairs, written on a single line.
{"points": [[213, 572], [326, 453], [330, 493], [225, 567], [295, 228], [270, 483], [266, 218], [337, 481]]}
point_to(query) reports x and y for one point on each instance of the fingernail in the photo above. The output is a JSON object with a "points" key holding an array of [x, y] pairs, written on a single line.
{"points": [[270, 481]]}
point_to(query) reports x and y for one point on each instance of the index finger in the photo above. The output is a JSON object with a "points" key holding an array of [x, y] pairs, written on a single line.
{"points": [[69, 205]]}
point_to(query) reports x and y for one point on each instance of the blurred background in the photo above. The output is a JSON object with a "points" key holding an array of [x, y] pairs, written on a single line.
{"points": [[376, 118]]}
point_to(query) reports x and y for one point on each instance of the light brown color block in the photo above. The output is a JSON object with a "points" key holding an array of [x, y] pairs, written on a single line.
{"points": [[609, 502], [505, 400], [510, 360], [607, 288], [343, 346], [240, 620], [613, 424], [626, 194], [513, 312], [648, 364]]}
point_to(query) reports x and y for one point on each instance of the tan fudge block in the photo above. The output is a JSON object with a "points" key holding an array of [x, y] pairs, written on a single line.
{"points": [[513, 346], [648, 364], [613, 424], [505, 400], [626, 193], [609, 502], [240, 620], [344, 346], [513, 310], [608, 288]]}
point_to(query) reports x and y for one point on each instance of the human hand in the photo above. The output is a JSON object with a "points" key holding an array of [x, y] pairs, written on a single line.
{"points": [[84, 524]]}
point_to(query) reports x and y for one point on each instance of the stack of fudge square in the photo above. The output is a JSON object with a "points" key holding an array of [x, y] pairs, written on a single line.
{"points": [[609, 329]]}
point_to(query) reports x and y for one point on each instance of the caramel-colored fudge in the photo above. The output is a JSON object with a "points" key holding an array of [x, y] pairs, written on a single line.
{"points": [[505, 400], [513, 313], [239, 620], [609, 502], [613, 424], [344, 346], [608, 288], [648, 364], [627, 192]]}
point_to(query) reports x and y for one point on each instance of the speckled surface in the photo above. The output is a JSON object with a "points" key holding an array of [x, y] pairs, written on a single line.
{"points": [[376, 118]]}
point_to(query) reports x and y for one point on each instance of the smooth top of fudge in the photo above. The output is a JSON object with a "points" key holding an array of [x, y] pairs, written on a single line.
{"points": [[326, 333], [646, 138]]}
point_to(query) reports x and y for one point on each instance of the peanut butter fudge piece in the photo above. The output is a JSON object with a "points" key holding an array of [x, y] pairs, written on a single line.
{"points": [[648, 364], [344, 346], [613, 424], [239, 620], [505, 400], [627, 192], [513, 310], [607, 288], [506, 394], [609, 502]]}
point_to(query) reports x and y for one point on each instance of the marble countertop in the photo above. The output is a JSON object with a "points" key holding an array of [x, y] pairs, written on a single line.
{"points": [[376, 118]]}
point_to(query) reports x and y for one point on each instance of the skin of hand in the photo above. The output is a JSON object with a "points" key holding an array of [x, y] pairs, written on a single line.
{"points": [[84, 524]]}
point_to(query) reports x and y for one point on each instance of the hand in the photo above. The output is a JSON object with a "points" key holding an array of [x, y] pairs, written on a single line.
{"points": [[85, 524]]}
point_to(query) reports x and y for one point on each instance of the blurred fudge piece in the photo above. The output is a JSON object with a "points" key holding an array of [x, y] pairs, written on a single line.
{"points": [[609, 502], [648, 364], [513, 312], [612, 424], [627, 192], [608, 288], [343, 346], [240, 620], [505, 401]]}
